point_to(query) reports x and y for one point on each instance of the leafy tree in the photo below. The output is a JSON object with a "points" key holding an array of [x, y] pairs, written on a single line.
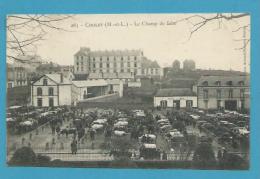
{"points": [[120, 148], [24, 155], [204, 156], [233, 161]]}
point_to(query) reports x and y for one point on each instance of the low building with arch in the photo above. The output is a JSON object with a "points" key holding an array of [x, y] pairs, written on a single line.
{"points": [[175, 98]]}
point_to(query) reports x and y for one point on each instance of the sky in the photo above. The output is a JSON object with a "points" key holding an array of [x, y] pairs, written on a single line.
{"points": [[211, 47]]}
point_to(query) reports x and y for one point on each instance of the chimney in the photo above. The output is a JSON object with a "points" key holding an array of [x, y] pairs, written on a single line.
{"points": [[61, 77]]}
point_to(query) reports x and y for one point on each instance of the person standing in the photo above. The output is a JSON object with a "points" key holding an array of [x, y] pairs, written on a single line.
{"points": [[73, 147]]}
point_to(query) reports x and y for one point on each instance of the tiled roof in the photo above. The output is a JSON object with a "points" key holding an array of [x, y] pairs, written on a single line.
{"points": [[86, 51], [90, 83], [78, 77], [57, 78], [224, 80], [125, 75], [110, 76], [169, 92], [95, 76]]}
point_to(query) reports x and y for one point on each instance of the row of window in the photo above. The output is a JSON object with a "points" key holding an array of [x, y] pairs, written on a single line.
{"points": [[108, 65], [176, 104], [50, 91], [39, 102], [100, 58], [108, 70], [229, 83], [122, 70], [21, 75], [20, 82], [230, 93], [219, 104]]}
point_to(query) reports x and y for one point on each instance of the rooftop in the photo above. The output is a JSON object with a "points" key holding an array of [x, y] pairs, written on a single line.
{"points": [[57, 78], [110, 75], [90, 83], [84, 51], [169, 92], [224, 80]]}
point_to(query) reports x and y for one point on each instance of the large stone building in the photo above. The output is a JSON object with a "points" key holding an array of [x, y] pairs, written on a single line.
{"points": [[114, 63], [224, 92], [175, 98], [16, 76]]}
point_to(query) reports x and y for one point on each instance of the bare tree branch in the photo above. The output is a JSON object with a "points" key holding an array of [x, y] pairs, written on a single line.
{"points": [[24, 31]]}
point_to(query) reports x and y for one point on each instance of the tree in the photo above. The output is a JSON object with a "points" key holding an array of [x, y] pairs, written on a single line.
{"points": [[234, 161], [24, 155], [240, 25], [120, 148], [25, 31], [204, 156], [199, 21]]}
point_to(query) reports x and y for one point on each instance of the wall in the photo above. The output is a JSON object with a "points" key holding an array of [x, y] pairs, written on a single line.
{"points": [[62, 94], [212, 96], [169, 100], [104, 98], [45, 96], [75, 94], [65, 95], [111, 61], [134, 84]]}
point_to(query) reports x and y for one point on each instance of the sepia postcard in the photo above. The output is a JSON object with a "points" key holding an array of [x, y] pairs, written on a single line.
{"points": [[141, 91]]}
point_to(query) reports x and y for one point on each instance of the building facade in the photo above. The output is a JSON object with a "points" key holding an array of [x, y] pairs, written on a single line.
{"points": [[175, 98], [16, 76], [115, 63], [51, 90], [224, 92]]}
